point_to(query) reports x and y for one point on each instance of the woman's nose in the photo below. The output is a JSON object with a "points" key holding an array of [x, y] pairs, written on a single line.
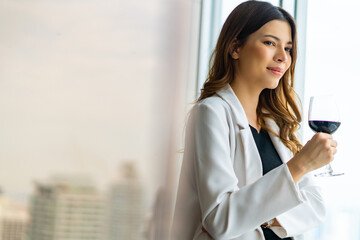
{"points": [[281, 56]]}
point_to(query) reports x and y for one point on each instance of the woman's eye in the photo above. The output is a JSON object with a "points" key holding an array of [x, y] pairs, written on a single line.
{"points": [[269, 43], [288, 49]]}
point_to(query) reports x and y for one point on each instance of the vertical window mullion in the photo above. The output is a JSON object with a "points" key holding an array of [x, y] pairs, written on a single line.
{"points": [[209, 30]]}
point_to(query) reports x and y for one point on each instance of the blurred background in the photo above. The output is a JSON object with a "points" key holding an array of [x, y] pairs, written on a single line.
{"points": [[94, 97]]}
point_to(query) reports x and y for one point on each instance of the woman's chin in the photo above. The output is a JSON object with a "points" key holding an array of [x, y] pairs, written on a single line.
{"points": [[273, 84]]}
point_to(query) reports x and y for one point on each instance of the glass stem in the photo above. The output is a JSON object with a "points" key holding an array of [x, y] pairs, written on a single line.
{"points": [[329, 168]]}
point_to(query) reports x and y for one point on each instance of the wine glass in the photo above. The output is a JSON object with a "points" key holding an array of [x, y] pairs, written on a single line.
{"points": [[324, 117]]}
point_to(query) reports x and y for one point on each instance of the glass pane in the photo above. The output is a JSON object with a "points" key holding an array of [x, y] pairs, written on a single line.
{"points": [[332, 67], [289, 5], [229, 5], [88, 94]]}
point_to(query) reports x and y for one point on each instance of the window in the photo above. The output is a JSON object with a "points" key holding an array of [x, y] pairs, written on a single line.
{"points": [[332, 67], [327, 62], [86, 87]]}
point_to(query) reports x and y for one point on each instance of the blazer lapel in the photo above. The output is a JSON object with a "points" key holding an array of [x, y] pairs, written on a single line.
{"points": [[284, 152], [248, 160], [250, 155], [228, 95]]}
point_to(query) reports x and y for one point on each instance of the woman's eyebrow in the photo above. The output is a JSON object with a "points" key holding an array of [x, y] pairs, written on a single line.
{"points": [[276, 38]]}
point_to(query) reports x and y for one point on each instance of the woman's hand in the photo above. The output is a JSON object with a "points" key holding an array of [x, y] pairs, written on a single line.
{"points": [[316, 153]]}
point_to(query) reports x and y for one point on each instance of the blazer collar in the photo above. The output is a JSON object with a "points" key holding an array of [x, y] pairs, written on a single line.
{"points": [[284, 152], [228, 95]]}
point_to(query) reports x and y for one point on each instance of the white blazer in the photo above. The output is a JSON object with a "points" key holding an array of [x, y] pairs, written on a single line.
{"points": [[221, 187]]}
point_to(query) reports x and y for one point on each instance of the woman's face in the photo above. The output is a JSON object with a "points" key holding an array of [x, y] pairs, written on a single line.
{"points": [[265, 56]]}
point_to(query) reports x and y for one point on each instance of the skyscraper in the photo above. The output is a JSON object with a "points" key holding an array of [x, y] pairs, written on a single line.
{"points": [[66, 208], [126, 205], [13, 220]]}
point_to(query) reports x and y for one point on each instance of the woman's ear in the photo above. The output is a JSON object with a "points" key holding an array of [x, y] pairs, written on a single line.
{"points": [[235, 49]]}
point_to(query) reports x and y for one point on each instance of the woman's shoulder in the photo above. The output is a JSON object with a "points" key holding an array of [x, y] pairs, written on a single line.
{"points": [[214, 103], [211, 107]]}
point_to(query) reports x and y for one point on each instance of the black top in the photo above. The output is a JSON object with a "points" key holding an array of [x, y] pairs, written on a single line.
{"points": [[270, 159]]}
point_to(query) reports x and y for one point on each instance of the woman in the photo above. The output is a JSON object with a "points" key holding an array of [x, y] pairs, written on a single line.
{"points": [[245, 174]]}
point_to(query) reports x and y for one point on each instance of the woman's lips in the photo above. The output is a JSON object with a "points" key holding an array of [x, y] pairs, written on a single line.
{"points": [[275, 70]]}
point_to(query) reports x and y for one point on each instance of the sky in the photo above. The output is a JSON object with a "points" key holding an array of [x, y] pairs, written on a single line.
{"points": [[79, 90]]}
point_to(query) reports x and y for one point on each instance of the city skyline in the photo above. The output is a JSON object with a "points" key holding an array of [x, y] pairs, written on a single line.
{"points": [[79, 90], [66, 205]]}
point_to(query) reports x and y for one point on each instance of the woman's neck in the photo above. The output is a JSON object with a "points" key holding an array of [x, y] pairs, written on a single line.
{"points": [[249, 99]]}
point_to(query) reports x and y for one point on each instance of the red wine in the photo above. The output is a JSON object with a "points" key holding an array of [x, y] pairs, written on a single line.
{"points": [[324, 126]]}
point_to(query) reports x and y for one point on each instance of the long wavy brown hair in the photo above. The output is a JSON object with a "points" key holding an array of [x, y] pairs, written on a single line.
{"points": [[279, 104]]}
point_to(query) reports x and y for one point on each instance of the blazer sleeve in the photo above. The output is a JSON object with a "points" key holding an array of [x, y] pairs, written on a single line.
{"points": [[229, 211], [309, 214]]}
